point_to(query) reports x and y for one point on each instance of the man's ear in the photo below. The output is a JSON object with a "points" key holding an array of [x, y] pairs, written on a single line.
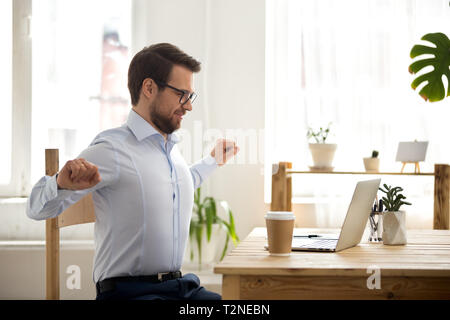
{"points": [[149, 88]]}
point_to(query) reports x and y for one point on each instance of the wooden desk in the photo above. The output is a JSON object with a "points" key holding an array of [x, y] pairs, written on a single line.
{"points": [[419, 270]]}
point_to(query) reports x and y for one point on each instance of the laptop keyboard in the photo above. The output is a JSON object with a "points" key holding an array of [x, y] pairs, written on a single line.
{"points": [[321, 244]]}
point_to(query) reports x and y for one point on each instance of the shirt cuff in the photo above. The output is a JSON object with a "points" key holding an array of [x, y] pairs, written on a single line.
{"points": [[207, 166], [210, 160], [52, 191]]}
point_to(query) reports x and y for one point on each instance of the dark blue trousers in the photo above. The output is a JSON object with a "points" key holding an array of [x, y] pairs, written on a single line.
{"points": [[185, 288]]}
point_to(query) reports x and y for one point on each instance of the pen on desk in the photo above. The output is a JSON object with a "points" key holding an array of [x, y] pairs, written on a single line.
{"points": [[308, 236]]}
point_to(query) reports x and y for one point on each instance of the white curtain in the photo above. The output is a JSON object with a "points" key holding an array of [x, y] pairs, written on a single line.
{"points": [[346, 62]]}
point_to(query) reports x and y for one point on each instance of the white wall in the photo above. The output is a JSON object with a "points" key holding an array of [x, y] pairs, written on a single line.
{"points": [[182, 23], [236, 86], [227, 36], [22, 273]]}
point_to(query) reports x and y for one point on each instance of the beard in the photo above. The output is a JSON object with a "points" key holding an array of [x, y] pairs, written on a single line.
{"points": [[166, 124]]}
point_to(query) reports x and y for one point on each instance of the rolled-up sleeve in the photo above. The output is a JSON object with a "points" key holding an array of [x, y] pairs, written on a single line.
{"points": [[202, 170], [47, 201]]}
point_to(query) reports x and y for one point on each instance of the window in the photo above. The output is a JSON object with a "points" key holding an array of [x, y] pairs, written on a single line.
{"points": [[6, 14], [15, 95], [75, 55], [80, 64], [346, 62]]}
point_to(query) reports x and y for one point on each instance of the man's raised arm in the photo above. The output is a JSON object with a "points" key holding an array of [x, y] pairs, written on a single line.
{"points": [[221, 153], [95, 168]]}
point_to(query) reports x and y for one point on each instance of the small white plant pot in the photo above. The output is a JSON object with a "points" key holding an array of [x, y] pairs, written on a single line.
{"points": [[372, 164], [322, 154], [394, 228]]}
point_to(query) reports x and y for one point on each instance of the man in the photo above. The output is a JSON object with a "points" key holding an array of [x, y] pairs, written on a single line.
{"points": [[142, 188]]}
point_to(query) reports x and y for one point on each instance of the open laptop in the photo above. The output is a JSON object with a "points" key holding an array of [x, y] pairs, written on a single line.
{"points": [[353, 227]]}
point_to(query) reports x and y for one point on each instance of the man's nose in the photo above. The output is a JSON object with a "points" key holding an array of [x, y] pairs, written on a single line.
{"points": [[188, 105]]}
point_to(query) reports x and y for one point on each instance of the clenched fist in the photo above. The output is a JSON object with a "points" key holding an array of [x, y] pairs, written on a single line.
{"points": [[78, 174], [224, 150]]}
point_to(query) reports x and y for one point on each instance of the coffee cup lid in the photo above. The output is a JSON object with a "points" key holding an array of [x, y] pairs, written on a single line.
{"points": [[280, 215]]}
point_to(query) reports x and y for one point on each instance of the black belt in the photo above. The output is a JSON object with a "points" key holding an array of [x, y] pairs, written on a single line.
{"points": [[110, 283]]}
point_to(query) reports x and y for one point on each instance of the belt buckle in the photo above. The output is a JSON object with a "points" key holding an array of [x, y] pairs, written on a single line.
{"points": [[161, 274]]}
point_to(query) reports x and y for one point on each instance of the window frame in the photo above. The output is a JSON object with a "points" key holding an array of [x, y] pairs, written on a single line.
{"points": [[19, 185]]}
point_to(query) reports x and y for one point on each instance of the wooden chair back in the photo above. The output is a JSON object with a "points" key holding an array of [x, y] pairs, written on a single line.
{"points": [[80, 212]]}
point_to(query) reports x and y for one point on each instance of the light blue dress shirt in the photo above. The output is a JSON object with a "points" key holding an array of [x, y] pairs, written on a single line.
{"points": [[143, 204]]}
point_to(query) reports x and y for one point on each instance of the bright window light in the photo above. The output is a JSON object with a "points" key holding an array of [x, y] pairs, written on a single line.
{"points": [[5, 90], [80, 63]]}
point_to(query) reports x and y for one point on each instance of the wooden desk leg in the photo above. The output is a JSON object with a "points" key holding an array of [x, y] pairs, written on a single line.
{"points": [[441, 197], [231, 286]]}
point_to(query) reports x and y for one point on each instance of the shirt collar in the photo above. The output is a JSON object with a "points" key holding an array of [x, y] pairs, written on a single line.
{"points": [[142, 129]]}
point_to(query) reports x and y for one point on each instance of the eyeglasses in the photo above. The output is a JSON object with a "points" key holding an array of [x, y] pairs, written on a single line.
{"points": [[185, 95]]}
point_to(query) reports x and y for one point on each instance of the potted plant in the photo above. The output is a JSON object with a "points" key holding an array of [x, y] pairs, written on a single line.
{"points": [[394, 220], [321, 152], [434, 89], [372, 164], [205, 222]]}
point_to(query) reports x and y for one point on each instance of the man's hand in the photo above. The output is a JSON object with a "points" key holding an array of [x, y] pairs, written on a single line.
{"points": [[224, 150], [78, 174]]}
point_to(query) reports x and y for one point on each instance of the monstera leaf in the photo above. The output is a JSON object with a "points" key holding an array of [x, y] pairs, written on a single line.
{"points": [[434, 90]]}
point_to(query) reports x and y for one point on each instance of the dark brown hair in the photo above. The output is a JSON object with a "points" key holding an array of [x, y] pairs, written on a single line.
{"points": [[156, 62]]}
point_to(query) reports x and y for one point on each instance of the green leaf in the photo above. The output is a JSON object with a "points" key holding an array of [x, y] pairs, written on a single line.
{"points": [[230, 232], [386, 204], [197, 196], [386, 187], [396, 204], [419, 65], [224, 251], [389, 196], [231, 228], [419, 49], [434, 90], [192, 227], [198, 206], [234, 236], [210, 213], [198, 237]]}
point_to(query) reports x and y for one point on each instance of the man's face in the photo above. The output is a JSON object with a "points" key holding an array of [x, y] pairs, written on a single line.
{"points": [[166, 111]]}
